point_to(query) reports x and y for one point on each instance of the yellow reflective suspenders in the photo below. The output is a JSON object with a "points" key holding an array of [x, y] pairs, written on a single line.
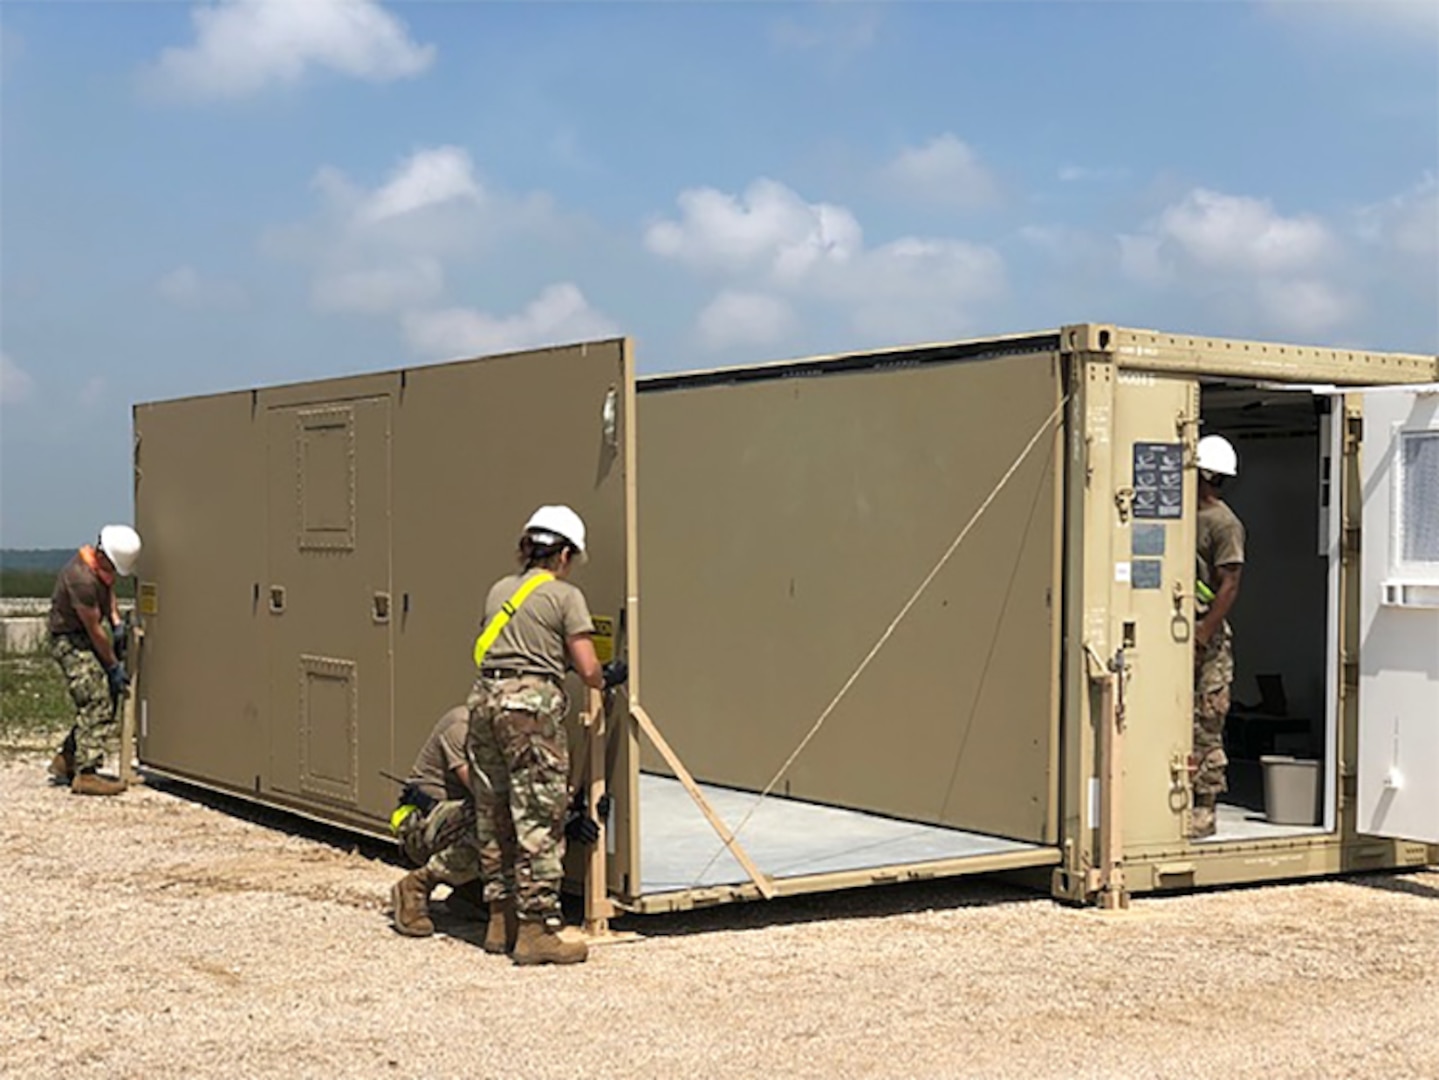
{"points": [[507, 610]]}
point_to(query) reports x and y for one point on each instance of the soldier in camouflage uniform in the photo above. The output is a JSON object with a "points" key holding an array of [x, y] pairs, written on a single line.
{"points": [[434, 824], [517, 742], [1220, 563], [88, 643]]}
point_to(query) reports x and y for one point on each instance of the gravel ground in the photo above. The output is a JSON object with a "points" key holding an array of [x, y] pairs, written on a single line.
{"points": [[156, 935]]}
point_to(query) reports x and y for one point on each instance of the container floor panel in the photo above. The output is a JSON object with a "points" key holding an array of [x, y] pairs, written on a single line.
{"points": [[785, 838], [1241, 823]]}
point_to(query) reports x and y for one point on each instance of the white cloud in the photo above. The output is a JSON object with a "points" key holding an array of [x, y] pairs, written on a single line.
{"points": [[736, 317], [772, 239], [1079, 174], [244, 47], [186, 287], [768, 227], [374, 290], [560, 314], [944, 171], [427, 178], [1413, 21], [16, 385], [384, 248], [1238, 233], [1408, 223], [1243, 254], [1305, 305]]}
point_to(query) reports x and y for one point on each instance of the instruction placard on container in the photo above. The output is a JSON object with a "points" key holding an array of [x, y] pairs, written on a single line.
{"points": [[1158, 480]]}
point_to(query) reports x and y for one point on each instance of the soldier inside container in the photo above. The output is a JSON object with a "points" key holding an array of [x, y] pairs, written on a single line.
{"points": [[1219, 566], [536, 626], [434, 824], [87, 640]]}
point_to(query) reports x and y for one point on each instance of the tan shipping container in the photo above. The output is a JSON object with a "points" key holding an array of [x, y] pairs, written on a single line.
{"points": [[886, 589]]}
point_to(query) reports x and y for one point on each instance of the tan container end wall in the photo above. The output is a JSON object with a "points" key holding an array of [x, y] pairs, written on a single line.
{"points": [[784, 522]]}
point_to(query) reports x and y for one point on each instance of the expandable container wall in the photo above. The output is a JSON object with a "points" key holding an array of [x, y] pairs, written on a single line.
{"points": [[384, 506], [783, 524]]}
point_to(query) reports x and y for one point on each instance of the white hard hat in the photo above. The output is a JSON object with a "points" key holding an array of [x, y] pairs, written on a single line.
{"points": [[121, 545], [560, 522], [1216, 455]]}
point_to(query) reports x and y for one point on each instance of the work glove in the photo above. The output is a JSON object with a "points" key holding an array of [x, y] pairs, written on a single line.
{"points": [[119, 679], [580, 828], [616, 672], [413, 796]]}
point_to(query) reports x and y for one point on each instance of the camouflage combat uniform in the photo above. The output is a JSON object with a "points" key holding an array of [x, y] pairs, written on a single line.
{"points": [[519, 753], [442, 839], [96, 709], [1221, 543]]}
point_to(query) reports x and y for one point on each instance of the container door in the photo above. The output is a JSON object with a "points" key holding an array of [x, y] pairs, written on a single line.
{"points": [[327, 602], [1148, 516], [1398, 781]]}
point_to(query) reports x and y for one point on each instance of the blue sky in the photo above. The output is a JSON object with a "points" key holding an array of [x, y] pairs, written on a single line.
{"points": [[204, 197]]}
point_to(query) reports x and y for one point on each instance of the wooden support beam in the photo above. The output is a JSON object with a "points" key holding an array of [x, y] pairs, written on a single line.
{"points": [[647, 725], [598, 908]]}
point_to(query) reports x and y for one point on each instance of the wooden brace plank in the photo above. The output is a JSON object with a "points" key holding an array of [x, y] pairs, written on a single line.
{"points": [[762, 883]]}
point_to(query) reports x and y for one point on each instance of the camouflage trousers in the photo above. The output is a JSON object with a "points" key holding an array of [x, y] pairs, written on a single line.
{"points": [[519, 769], [96, 712], [443, 841], [1213, 674]]}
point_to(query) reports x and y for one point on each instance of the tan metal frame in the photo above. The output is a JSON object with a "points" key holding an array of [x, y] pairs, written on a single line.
{"points": [[1093, 723]]}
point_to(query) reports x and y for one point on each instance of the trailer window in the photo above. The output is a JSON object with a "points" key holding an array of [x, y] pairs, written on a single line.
{"points": [[1419, 498]]}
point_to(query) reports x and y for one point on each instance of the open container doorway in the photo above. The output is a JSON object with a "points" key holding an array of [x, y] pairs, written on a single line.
{"points": [[1281, 736]]}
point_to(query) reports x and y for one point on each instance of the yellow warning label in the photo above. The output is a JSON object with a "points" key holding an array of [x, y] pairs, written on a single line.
{"points": [[604, 638], [147, 598]]}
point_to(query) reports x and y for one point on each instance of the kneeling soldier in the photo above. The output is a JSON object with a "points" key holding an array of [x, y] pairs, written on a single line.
{"points": [[434, 824]]}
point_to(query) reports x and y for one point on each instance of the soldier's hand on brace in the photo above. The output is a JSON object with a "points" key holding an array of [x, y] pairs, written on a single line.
{"points": [[579, 826], [119, 679], [119, 639], [616, 673]]}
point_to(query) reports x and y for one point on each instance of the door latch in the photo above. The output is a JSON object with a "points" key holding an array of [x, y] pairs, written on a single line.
{"points": [[1124, 500]]}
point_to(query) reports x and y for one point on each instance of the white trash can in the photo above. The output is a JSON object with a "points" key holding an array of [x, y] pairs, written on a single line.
{"points": [[1291, 790]]}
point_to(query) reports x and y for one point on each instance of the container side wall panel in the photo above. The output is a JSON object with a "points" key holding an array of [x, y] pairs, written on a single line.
{"points": [[784, 523], [200, 508]]}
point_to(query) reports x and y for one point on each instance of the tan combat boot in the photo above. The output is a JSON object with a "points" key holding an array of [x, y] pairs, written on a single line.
{"points": [[539, 944], [503, 930], [92, 783], [411, 898], [62, 765], [1202, 821], [62, 768]]}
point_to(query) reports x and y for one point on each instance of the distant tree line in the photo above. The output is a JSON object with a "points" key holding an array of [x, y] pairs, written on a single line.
{"points": [[31, 572]]}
